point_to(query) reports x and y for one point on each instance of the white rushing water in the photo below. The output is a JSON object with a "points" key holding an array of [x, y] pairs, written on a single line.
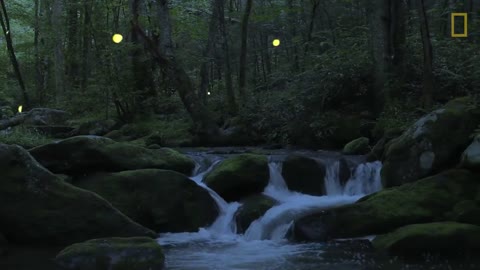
{"points": [[263, 245]]}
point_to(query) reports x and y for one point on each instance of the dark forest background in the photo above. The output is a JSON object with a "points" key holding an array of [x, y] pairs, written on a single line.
{"points": [[205, 72]]}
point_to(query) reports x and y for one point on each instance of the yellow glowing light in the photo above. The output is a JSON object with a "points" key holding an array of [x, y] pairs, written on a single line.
{"points": [[208, 93], [276, 42], [20, 108], [117, 38]]}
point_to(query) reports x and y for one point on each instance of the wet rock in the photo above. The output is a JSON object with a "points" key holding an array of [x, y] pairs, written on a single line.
{"points": [[113, 254], [446, 238], [471, 155], [164, 201], [304, 174], [240, 176], [427, 200], [344, 171], [433, 143], [38, 207], [90, 154], [253, 208]]}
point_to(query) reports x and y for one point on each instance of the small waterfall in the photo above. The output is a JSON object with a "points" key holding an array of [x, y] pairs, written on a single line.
{"points": [[365, 180], [224, 224], [293, 205], [274, 224], [332, 179]]}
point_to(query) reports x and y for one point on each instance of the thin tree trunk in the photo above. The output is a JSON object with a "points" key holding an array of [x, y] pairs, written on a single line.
{"points": [[57, 21], [242, 79], [232, 107], [39, 76], [427, 56], [208, 52], [5, 24], [163, 54]]}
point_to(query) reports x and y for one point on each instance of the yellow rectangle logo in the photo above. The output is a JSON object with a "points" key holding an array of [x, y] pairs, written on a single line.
{"points": [[465, 24]]}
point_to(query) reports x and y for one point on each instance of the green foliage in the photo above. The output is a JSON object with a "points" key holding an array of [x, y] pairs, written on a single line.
{"points": [[24, 137]]}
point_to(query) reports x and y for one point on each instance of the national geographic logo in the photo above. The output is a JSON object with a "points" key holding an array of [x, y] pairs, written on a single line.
{"points": [[463, 16]]}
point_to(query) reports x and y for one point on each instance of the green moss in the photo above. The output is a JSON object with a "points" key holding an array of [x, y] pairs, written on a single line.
{"points": [[357, 147], [434, 142], [252, 209], [164, 201], [87, 154], [52, 210], [238, 176], [426, 200], [443, 237], [172, 132], [113, 253], [24, 137]]}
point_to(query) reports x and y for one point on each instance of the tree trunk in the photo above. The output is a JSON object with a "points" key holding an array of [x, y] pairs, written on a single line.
{"points": [[427, 56], [387, 25], [39, 69], [242, 79], [57, 21], [208, 52], [232, 107], [164, 55], [5, 24]]}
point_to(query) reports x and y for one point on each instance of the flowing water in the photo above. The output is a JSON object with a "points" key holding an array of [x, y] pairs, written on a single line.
{"points": [[263, 246]]}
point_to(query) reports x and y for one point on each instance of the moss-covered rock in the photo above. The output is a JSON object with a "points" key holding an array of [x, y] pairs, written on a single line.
{"points": [[304, 174], [252, 209], [446, 238], [137, 253], [89, 154], [358, 146], [38, 207], [471, 155], [164, 201], [3, 245], [427, 200], [467, 211], [378, 150], [96, 127], [432, 144], [239, 176]]}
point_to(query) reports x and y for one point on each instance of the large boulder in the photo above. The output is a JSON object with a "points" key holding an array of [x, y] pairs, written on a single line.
{"points": [[471, 155], [137, 253], [433, 143], [304, 174], [378, 150], [446, 238], [97, 127], [88, 154], [252, 209], [467, 211], [239, 176], [358, 146], [3, 244], [38, 207], [164, 201], [46, 117], [427, 200]]}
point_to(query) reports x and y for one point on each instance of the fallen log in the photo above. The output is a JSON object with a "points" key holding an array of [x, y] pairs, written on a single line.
{"points": [[13, 121]]}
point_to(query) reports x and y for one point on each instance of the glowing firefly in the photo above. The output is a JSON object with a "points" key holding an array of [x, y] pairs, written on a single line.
{"points": [[276, 42], [117, 38], [208, 93], [20, 109]]}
